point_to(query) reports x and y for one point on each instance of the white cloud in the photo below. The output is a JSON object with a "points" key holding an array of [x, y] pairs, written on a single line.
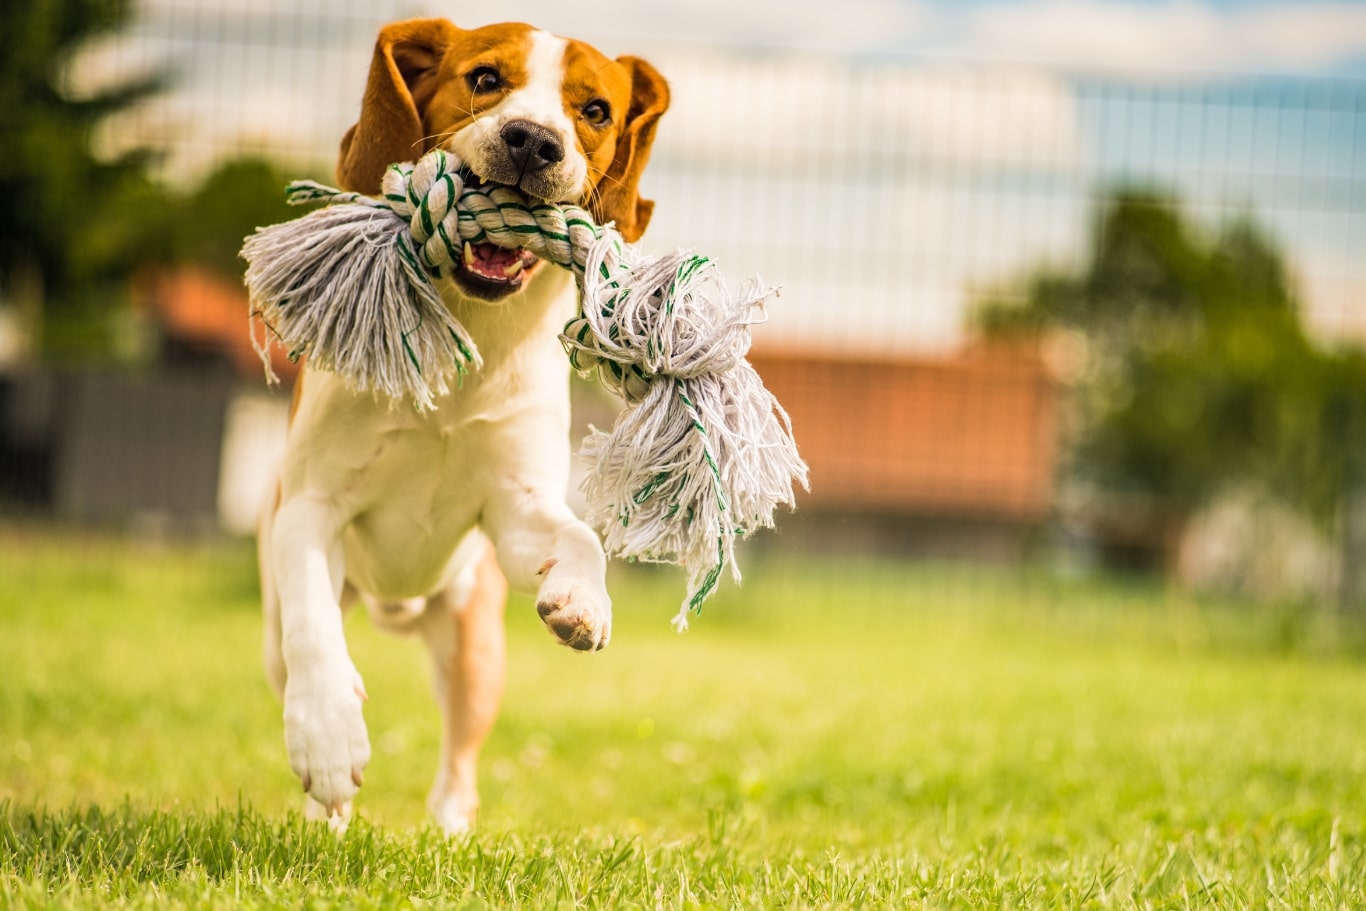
{"points": [[620, 26], [869, 192], [797, 23], [1167, 40], [801, 110]]}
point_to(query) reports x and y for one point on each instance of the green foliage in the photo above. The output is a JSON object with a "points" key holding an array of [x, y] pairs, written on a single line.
{"points": [[209, 223], [1194, 370], [834, 734], [135, 857], [76, 226]]}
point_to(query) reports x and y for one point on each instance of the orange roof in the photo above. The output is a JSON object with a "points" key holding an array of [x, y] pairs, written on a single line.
{"points": [[970, 435], [203, 311]]}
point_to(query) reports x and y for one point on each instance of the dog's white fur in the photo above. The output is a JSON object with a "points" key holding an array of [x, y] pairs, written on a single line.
{"points": [[402, 509]]}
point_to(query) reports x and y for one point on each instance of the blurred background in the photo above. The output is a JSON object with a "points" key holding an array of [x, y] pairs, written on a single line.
{"points": [[1071, 286]]}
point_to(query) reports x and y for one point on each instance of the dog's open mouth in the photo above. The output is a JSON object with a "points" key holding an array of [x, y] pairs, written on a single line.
{"points": [[488, 271], [491, 272]]}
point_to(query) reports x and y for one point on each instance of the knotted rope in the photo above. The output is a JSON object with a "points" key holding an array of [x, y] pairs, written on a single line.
{"points": [[703, 453]]}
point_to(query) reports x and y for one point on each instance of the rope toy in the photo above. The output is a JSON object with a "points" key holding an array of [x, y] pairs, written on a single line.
{"points": [[701, 455]]}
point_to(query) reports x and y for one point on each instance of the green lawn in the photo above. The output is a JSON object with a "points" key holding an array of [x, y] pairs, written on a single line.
{"points": [[833, 734]]}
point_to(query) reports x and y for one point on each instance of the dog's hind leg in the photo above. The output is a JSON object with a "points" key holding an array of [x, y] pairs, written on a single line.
{"points": [[463, 628], [272, 655]]}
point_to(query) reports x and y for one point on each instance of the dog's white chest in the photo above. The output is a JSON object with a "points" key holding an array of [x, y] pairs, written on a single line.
{"points": [[426, 497]]}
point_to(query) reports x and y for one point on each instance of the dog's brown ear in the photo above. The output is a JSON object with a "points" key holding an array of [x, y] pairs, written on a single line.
{"points": [[618, 197], [403, 78]]}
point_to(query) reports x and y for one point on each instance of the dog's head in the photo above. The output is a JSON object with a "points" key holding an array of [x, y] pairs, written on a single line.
{"points": [[548, 115]]}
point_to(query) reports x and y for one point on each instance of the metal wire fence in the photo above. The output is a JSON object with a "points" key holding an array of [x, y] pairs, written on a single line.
{"points": [[889, 197]]}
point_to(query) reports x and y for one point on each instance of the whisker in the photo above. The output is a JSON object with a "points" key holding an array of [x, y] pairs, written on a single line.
{"points": [[436, 136], [595, 193]]}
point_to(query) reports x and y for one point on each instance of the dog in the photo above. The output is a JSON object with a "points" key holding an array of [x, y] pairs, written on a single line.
{"points": [[428, 517]]}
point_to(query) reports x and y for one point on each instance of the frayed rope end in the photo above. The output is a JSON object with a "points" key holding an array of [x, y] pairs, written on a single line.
{"points": [[344, 286], [703, 454]]}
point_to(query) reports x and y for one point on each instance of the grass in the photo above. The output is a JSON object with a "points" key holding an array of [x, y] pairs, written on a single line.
{"points": [[833, 734]]}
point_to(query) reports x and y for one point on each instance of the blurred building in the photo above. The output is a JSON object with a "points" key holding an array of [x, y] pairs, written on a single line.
{"points": [[952, 454], [187, 443]]}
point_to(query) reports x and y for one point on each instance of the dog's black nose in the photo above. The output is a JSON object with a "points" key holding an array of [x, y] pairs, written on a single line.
{"points": [[531, 146]]}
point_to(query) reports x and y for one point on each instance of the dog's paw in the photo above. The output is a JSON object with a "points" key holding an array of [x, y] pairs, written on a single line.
{"points": [[338, 822], [454, 813], [577, 611], [325, 732]]}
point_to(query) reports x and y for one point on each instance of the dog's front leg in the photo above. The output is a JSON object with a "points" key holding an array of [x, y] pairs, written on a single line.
{"points": [[324, 727], [542, 546]]}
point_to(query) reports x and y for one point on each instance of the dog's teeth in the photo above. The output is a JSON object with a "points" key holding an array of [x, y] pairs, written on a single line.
{"points": [[469, 254], [513, 270]]}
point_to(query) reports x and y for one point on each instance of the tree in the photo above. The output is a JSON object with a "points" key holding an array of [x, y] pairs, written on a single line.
{"points": [[209, 224], [1195, 373], [75, 226]]}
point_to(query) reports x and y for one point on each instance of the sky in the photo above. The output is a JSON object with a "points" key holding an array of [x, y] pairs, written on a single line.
{"points": [[1149, 36], [893, 157]]}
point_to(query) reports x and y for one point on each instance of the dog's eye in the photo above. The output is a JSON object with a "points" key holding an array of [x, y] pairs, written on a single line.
{"points": [[597, 112], [484, 79]]}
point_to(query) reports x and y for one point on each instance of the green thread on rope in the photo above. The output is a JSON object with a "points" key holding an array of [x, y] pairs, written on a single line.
{"points": [[466, 353], [406, 252], [407, 346], [709, 581], [452, 251], [690, 268], [645, 492], [697, 424]]}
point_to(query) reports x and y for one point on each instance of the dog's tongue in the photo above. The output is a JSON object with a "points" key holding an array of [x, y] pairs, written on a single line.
{"points": [[492, 260]]}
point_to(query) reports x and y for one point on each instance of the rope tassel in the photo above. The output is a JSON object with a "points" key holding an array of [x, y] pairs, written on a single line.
{"points": [[701, 455]]}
